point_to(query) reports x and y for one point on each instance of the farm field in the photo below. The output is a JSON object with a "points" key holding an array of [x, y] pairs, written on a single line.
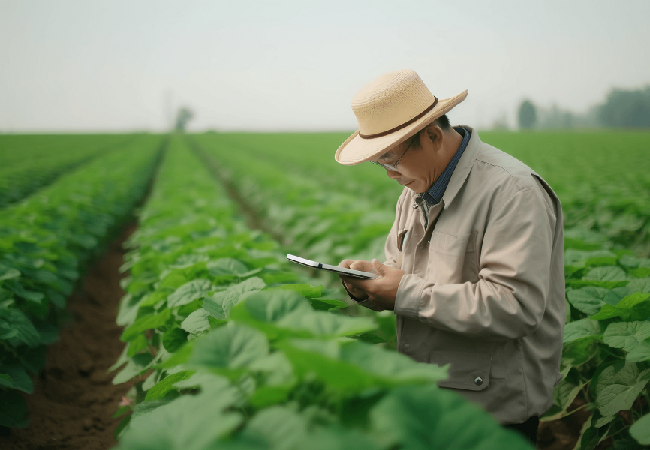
{"points": [[273, 351]]}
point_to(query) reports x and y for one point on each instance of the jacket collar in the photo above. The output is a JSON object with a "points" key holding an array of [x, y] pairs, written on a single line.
{"points": [[463, 167]]}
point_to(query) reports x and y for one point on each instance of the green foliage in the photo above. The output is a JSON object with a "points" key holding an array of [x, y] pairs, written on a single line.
{"points": [[240, 351], [47, 238], [29, 162], [293, 182]]}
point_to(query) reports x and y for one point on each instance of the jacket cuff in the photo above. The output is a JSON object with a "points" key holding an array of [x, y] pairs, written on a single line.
{"points": [[408, 301]]}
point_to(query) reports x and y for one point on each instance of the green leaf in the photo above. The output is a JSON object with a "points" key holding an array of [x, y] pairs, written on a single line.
{"points": [[227, 266], [606, 273], [306, 290], [14, 322], [229, 347], [219, 304], [279, 312], [149, 322], [325, 324], [160, 389], [640, 430], [6, 380], [19, 376], [631, 337], [7, 273], [581, 329], [134, 366], [13, 410], [279, 427], [190, 291], [326, 304], [591, 299], [174, 339], [640, 285], [631, 307], [616, 390], [34, 297], [138, 344], [191, 422], [276, 367], [197, 322], [322, 359], [424, 417]]}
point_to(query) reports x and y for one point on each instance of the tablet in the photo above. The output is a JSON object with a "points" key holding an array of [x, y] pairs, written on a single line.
{"points": [[336, 269]]}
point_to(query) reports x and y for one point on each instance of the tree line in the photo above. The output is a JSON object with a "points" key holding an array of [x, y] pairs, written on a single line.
{"points": [[622, 108]]}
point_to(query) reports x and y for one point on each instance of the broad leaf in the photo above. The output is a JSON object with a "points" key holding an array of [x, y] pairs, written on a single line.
{"points": [[616, 390], [197, 322], [191, 422], [160, 389], [422, 418], [229, 347], [640, 430], [591, 299], [631, 337], [149, 322], [632, 307], [219, 304], [190, 291], [580, 329], [16, 327]]}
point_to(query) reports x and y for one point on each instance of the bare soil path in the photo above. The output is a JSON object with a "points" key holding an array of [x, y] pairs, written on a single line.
{"points": [[74, 397]]}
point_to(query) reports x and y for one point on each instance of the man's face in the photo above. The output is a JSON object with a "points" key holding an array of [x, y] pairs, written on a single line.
{"points": [[413, 169]]}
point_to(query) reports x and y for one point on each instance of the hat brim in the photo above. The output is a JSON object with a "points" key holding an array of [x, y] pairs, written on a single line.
{"points": [[356, 149]]}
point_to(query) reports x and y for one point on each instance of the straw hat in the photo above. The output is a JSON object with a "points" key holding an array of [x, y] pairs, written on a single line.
{"points": [[389, 110]]}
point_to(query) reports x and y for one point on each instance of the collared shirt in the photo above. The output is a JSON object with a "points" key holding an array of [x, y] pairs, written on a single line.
{"points": [[434, 194]]}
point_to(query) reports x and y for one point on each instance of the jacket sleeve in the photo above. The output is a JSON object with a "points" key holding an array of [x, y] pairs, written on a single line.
{"points": [[510, 297]]}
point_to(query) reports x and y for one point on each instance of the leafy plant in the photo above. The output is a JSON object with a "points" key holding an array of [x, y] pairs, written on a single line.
{"points": [[44, 242]]}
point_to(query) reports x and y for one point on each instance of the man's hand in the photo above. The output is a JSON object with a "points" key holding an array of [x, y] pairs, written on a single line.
{"points": [[381, 291]]}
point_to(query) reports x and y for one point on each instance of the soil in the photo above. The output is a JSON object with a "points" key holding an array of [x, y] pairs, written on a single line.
{"points": [[74, 397]]}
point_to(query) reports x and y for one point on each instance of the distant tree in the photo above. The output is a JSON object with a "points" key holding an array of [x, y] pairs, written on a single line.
{"points": [[527, 114], [184, 115], [626, 108]]}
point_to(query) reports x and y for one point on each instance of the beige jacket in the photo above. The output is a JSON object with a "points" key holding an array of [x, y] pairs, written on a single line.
{"points": [[484, 283]]}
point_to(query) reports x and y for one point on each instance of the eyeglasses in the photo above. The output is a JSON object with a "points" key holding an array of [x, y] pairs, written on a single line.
{"points": [[393, 166]]}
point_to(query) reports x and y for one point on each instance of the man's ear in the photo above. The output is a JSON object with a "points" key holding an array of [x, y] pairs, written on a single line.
{"points": [[434, 132]]}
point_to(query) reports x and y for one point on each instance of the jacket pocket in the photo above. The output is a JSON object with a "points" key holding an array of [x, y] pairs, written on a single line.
{"points": [[449, 244], [468, 370], [453, 259]]}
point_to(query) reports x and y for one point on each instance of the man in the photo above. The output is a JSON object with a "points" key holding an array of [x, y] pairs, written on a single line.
{"points": [[474, 261]]}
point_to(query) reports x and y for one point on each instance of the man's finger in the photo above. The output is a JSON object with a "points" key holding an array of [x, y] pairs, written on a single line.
{"points": [[346, 263], [363, 266]]}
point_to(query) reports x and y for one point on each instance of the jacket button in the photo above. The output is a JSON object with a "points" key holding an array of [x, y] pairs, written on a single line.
{"points": [[478, 381]]}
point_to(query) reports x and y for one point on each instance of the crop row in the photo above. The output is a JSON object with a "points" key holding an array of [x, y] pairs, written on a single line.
{"points": [[603, 279], [29, 163], [602, 178], [233, 352], [45, 241]]}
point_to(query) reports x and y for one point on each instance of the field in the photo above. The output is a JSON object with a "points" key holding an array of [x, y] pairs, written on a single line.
{"points": [[226, 345]]}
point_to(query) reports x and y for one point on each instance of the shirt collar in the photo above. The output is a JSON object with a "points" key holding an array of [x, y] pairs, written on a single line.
{"points": [[435, 193]]}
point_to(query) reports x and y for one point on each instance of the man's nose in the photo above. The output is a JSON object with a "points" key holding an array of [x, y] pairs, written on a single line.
{"points": [[393, 174]]}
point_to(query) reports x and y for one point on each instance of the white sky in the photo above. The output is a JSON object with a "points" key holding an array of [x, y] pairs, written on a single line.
{"points": [[295, 65]]}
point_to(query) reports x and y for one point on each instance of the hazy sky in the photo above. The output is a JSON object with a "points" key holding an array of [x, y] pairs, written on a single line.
{"points": [[295, 65]]}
